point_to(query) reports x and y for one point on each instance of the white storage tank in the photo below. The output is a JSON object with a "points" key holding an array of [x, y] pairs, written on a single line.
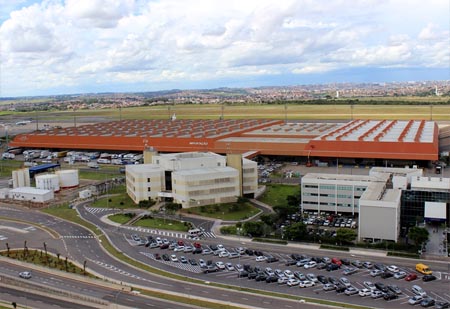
{"points": [[48, 182], [68, 178]]}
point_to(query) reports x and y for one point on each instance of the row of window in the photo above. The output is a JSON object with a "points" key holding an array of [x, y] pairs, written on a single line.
{"points": [[334, 187], [312, 203]]}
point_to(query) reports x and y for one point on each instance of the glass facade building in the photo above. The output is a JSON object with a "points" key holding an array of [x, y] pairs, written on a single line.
{"points": [[412, 207]]}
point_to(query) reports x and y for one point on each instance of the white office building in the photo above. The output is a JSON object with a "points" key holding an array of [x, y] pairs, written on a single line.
{"points": [[375, 198], [192, 178]]}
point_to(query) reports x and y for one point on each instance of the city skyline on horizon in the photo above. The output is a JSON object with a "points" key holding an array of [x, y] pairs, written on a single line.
{"points": [[57, 47]]}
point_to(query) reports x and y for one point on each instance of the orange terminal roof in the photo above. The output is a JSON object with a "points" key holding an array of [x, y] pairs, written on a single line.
{"points": [[371, 139]]}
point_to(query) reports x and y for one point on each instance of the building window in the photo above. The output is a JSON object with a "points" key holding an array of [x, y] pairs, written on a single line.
{"points": [[148, 180], [149, 189]]}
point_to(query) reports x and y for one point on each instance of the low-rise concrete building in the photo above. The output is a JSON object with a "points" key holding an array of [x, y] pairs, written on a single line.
{"points": [[192, 178]]}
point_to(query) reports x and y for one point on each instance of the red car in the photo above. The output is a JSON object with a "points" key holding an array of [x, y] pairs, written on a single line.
{"points": [[411, 277], [336, 261], [180, 243], [197, 245]]}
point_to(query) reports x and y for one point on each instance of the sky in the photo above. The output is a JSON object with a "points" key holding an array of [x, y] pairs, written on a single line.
{"points": [[82, 46]]}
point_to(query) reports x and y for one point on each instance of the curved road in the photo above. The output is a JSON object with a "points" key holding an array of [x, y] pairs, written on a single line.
{"points": [[80, 245]]}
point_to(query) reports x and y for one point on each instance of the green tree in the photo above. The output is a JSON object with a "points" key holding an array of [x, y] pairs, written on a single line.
{"points": [[293, 200], [269, 219], [418, 234], [255, 229], [172, 207], [345, 236], [296, 231], [284, 211]]}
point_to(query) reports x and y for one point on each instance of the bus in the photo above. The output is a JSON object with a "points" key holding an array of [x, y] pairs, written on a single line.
{"points": [[195, 233]]}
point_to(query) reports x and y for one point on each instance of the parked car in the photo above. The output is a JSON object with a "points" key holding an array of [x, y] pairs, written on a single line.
{"points": [[427, 278], [329, 287], [336, 261], [271, 259], [357, 263], [400, 275], [418, 290], [411, 277], [382, 287], [390, 296], [386, 274], [393, 268], [193, 262], [312, 277], [332, 267], [229, 266], [292, 282], [271, 279], [220, 265], [345, 281], [376, 294], [306, 284], [369, 285], [395, 289], [416, 299], [376, 272], [365, 292], [166, 257], [173, 258], [350, 271], [351, 290], [441, 305], [322, 279], [367, 265], [261, 258], [427, 302], [310, 264]]}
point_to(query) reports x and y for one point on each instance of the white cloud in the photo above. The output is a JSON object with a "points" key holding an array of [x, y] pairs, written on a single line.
{"points": [[79, 42]]}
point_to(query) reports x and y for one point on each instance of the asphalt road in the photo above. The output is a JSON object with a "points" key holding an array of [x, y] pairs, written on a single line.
{"points": [[81, 246]]}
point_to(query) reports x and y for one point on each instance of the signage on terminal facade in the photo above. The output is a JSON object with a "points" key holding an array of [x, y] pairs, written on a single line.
{"points": [[199, 143]]}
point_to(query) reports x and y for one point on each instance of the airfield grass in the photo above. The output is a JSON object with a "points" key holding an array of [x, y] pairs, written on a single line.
{"points": [[332, 111]]}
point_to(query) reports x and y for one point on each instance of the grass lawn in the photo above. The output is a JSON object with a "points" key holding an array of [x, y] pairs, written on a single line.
{"points": [[165, 224], [228, 212], [38, 257], [120, 218], [276, 194], [118, 199]]}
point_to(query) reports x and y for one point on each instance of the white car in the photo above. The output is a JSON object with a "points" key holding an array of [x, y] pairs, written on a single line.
{"points": [[292, 282], [312, 277], [173, 258], [345, 282], [229, 266], [329, 287], [310, 264], [376, 272], [220, 265], [376, 294], [283, 280], [351, 290], [370, 285], [400, 275], [306, 284], [393, 269], [289, 274], [365, 292], [178, 248], [415, 300], [25, 274], [261, 258], [224, 253]]}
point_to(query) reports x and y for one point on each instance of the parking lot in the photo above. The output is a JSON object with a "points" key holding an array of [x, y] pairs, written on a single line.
{"points": [[236, 265]]}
